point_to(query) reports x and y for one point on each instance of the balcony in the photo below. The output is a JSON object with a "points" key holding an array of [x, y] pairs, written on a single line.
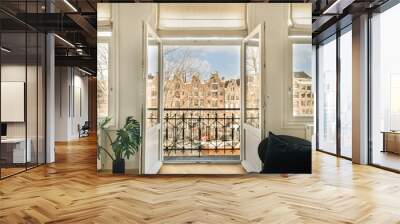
{"points": [[201, 134]]}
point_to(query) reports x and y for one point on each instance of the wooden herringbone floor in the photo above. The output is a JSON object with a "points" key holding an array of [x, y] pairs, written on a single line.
{"points": [[71, 192]]}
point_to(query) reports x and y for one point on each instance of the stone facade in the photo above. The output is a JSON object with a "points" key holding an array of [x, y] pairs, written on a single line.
{"points": [[214, 92], [303, 99], [102, 98]]}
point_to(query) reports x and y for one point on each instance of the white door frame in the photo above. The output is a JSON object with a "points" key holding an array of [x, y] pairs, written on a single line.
{"points": [[260, 132], [157, 128]]}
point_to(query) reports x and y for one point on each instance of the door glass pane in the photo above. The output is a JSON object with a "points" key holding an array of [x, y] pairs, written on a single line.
{"points": [[102, 79], [346, 94], [32, 98], [385, 89], [327, 97], [152, 82], [41, 98], [32, 93], [252, 81], [13, 86]]}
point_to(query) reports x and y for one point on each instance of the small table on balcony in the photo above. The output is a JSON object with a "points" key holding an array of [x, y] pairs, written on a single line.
{"points": [[391, 141]]}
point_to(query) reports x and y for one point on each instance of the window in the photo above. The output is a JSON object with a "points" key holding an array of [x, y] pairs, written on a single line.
{"points": [[102, 79], [385, 89], [301, 80], [252, 81], [152, 83], [22, 98], [202, 69], [327, 96], [346, 94]]}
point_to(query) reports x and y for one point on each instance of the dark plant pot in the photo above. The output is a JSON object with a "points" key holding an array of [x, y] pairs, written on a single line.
{"points": [[118, 166]]}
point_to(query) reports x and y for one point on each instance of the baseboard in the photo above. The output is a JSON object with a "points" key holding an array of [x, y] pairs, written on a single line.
{"points": [[155, 168], [250, 168]]}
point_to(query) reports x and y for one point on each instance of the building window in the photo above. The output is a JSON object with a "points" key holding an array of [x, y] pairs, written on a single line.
{"points": [[102, 79], [301, 80]]}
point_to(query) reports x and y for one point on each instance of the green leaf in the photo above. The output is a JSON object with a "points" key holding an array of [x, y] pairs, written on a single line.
{"points": [[127, 140]]}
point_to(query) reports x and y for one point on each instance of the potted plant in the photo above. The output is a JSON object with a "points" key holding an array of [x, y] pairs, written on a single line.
{"points": [[125, 144]]}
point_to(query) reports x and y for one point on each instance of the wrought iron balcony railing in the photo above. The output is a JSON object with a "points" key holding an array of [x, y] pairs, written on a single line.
{"points": [[201, 132]]}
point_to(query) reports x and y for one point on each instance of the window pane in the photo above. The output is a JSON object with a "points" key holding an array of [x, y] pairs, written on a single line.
{"points": [[201, 102], [385, 89], [102, 79], [32, 98], [327, 97], [41, 98], [303, 98], [152, 96], [346, 94], [252, 81], [15, 155]]}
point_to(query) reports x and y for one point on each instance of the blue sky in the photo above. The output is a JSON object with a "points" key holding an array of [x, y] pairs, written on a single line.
{"points": [[224, 59], [302, 58]]}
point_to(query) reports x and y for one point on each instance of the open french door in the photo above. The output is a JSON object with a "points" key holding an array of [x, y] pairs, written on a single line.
{"points": [[150, 155], [253, 92]]}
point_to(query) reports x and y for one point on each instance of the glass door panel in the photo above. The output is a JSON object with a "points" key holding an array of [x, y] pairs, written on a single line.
{"points": [[253, 95], [385, 89], [327, 97], [152, 82], [151, 153], [252, 81], [346, 94], [32, 99], [15, 151]]}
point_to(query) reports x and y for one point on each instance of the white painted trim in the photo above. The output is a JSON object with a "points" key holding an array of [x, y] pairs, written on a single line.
{"points": [[155, 168], [113, 75], [260, 29], [158, 127], [250, 167], [113, 69], [203, 41], [289, 121], [202, 33], [161, 100], [244, 128]]}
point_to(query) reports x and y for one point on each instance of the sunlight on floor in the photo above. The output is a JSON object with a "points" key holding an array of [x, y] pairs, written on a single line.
{"points": [[202, 169]]}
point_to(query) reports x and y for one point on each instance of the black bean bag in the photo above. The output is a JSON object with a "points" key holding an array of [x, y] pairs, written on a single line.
{"points": [[285, 154]]}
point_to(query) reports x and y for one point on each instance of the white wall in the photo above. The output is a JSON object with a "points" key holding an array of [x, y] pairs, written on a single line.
{"points": [[278, 61], [17, 73], [127, 50], [33, 126], [67, 80]]}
